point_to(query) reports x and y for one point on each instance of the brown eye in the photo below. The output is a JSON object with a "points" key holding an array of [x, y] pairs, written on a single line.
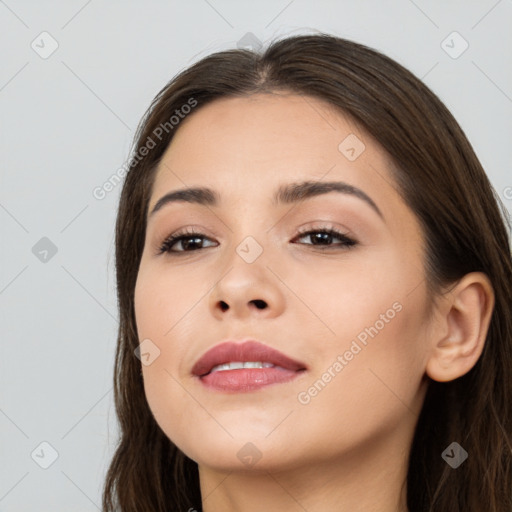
{"points": [[189, 242], [325, 237]]}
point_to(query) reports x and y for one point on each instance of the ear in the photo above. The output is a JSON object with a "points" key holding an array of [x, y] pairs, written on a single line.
{"points": [[461, 325]]}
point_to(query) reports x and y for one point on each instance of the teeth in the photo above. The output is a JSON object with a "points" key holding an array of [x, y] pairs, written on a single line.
{"points": [[238, 365], [252, 365]]}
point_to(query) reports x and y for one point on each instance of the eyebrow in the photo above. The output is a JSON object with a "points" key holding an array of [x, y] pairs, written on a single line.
{"points": [[285, 194]]}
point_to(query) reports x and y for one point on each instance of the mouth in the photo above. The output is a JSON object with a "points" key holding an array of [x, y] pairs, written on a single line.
{"points": [[248, 366]]}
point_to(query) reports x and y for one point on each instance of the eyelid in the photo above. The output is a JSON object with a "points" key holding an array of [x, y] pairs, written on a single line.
{"points": [[323, 225]]}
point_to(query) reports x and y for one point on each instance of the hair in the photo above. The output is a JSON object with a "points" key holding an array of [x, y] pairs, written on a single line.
{"points": [[465, 228]]}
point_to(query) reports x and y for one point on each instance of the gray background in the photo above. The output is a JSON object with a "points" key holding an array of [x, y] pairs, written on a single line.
{"points": [[67, 122]]}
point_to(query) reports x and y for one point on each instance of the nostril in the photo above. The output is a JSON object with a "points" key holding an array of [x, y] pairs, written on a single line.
{"points": [[260, 304], [223, 305]]}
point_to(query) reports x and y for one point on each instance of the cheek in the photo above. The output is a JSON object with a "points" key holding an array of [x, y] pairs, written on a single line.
{"points": [[371, 364], [345, 298], [371, 390], [162, 300], [165, 306], [159, 306]]}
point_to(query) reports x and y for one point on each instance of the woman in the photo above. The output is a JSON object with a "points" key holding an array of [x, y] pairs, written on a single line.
{"points": [[315, 276]]}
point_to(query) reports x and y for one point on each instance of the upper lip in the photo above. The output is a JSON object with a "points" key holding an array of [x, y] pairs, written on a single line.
{"points": [[250, 350]]}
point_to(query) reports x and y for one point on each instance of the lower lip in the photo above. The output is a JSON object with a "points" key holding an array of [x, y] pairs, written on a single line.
{"points": [[247, 379]]}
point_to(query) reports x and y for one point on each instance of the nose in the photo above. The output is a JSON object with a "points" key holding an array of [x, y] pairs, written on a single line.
{"points": [[247, 290], [258, 303]]}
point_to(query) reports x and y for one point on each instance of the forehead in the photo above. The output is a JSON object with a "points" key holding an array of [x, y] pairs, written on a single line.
{"points": [[266, 139]]}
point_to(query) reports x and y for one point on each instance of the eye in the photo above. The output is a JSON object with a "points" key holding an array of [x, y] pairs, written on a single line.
{"points": [[189, 241], [323, 237]]}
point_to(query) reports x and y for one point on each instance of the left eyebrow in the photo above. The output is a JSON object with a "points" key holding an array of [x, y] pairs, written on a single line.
{"points": [[285, 194], [294, 192]]}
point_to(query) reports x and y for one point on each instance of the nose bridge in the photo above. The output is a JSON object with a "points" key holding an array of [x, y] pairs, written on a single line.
{"points": [[250, 235]]}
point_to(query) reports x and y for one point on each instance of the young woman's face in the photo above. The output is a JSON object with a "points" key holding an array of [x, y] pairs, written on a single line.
{"points": [[350, 309]]}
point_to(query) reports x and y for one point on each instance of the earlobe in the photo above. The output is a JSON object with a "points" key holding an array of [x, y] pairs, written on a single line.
{"points": [[463, 319]]}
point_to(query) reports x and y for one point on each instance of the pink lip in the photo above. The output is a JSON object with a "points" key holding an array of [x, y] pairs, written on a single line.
{"points": [[246, 379]]}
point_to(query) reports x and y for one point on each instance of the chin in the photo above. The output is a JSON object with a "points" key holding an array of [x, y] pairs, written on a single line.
{"points": [[249, 454]]}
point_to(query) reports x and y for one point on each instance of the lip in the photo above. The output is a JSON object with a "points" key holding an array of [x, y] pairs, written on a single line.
{"points": [[246, 379]]}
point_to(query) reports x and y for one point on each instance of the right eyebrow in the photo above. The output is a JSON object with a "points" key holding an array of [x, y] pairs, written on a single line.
{"points": [[199, 195]]}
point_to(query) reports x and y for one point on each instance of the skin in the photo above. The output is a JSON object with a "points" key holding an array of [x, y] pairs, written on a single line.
{"points": [[347, 448]]}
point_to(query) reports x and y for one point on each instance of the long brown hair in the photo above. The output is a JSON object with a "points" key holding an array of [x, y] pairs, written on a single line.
{"points": [[464, 223]]}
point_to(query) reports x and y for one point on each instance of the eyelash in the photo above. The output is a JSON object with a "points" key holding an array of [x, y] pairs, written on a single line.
{"points": [[167, 244]]}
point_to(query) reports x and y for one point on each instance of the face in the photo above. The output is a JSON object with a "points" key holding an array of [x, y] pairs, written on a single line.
{"points": [[331, 277]]}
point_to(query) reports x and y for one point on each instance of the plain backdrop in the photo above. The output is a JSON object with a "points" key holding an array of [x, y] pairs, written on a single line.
{"points": [[75, 78]]}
